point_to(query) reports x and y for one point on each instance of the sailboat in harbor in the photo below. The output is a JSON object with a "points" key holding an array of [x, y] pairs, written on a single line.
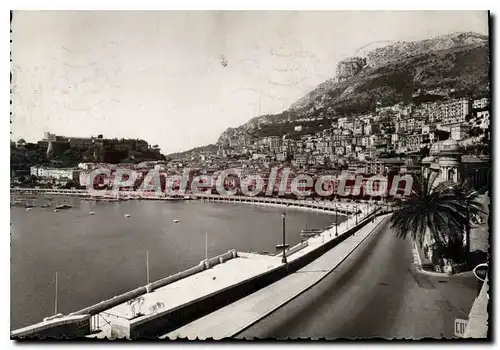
{"points": [[64, 206], [311, 232], [29, 204]]}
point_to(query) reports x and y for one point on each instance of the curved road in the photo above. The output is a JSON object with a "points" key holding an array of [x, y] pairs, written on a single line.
{"points": [[375, 292]]}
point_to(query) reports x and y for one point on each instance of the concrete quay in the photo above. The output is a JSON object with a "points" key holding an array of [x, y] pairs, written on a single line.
{"points": [[173, 300], [177, 300], [342, 207], [236, 317], [205, 292], [57, 326]]}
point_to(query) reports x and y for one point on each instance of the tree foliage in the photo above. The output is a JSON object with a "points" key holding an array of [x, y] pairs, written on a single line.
{"points": [[443, 210]]}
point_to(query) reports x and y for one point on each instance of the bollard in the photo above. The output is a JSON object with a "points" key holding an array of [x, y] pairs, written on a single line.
{"points": [[221, 260], [149, 288]]}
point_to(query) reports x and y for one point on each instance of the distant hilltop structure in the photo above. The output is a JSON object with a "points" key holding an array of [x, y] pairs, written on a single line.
{"points": [[100, 149], [349, 67]]}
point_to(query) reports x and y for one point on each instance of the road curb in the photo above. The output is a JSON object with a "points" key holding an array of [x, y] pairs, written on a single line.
{"points": [[418, 264]]}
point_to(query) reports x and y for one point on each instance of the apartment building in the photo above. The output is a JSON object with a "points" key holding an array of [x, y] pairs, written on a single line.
{"points": [[480, 103]]}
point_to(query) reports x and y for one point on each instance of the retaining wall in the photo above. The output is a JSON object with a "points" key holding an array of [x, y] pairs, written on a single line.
{"points": [[155, 325]]}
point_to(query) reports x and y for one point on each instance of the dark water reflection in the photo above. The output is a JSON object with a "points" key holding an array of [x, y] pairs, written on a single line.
{"points": [[102, 255]]}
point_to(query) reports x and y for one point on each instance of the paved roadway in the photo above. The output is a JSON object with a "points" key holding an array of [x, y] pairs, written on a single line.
{"points": [[375, 292]]}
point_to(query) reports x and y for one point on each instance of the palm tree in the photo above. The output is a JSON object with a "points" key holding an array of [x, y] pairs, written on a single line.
{"points": [[444, 210]]}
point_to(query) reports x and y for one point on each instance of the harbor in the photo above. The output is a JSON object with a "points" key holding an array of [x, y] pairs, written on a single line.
{"points": [[141, 311], [104, 254]]}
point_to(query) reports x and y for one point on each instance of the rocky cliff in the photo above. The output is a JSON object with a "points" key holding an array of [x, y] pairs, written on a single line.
{"points": [[453, 65]]}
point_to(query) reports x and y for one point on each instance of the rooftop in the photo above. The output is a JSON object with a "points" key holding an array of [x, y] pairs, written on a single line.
{"points": [[467, 158]]}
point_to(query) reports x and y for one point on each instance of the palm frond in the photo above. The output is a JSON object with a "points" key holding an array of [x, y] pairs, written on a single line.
{"points": [[444, 210]]}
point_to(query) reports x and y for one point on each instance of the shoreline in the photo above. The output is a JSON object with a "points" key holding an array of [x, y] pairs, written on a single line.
{"points": [[284, 206], [324, 207], [152, 210]]}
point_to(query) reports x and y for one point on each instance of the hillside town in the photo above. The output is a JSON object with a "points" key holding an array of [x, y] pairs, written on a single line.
{"points": [[397, 139], [250, 175], [399, 130]]}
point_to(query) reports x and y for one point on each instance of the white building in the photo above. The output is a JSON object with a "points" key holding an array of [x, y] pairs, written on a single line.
{"points": [[459, 132], [341, 122], [394, 138], [480, 103], [455, 111], [339, 150], [483, 119], [444, 161], [428, 128], [55, 173], [86, 166]]}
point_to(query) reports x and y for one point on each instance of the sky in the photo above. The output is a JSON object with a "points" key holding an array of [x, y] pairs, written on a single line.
{"points": [[179, 79]]}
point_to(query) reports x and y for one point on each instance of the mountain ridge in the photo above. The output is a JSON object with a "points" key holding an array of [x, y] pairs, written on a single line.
{"points": [[447, 66]]}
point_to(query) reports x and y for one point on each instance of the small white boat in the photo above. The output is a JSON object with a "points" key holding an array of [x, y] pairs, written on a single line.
{"points": [[56, 210], [127, 215], [28, 209], [91, 213], [176, 221]]}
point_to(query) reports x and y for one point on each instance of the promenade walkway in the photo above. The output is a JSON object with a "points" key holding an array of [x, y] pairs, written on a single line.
{"points": [[234, 318]]}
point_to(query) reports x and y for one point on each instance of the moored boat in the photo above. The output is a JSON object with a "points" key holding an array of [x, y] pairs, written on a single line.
{"points": [[312, 230], [331, 226], [309, 234], [173, 199]]}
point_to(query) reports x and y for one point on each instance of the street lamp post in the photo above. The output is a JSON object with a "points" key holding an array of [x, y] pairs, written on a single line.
{"points": [[468, 229], [467, 237], [336, 220], [356, 213], [283, 260]]}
